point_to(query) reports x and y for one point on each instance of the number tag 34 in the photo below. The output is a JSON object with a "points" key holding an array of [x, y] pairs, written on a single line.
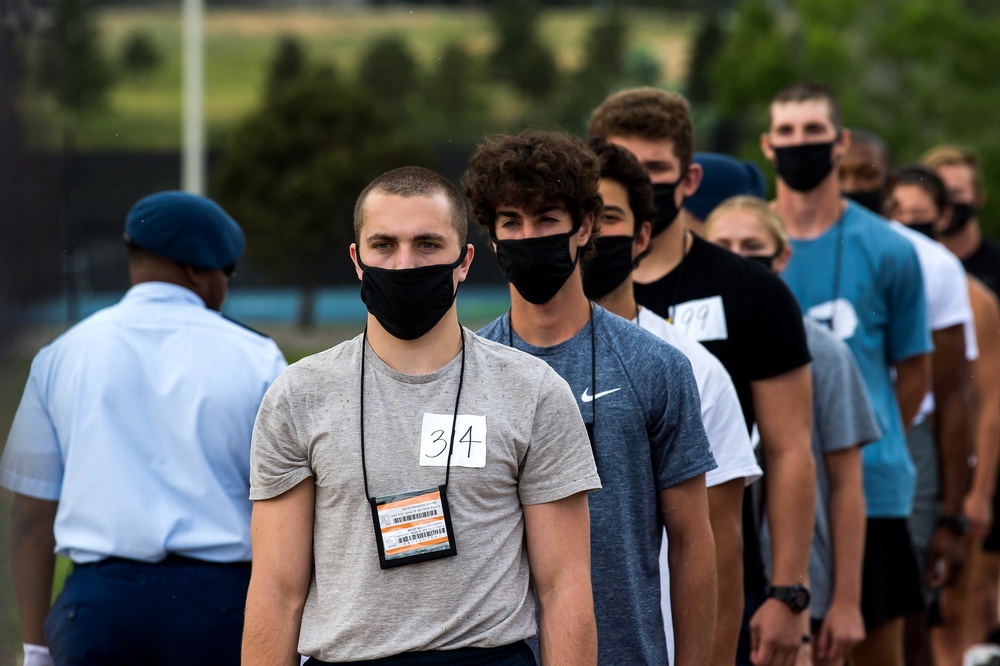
{"points": [[470, 440]]}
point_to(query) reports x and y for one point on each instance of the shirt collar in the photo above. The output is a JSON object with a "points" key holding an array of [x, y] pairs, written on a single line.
{"points": [[162, 291]]}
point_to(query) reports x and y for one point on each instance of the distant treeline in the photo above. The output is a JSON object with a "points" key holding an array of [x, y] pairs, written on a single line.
{"points": [[680, 5]]}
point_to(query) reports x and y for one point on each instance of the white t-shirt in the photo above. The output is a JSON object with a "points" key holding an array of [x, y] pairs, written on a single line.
{"points": [[727, 433], [947, 296]]}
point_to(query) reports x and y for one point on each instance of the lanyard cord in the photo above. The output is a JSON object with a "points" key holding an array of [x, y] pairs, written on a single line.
{"points": [[593, 365], [454, 418]]}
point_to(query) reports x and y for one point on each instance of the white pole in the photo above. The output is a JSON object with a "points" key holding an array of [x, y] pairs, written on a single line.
{"points": [[193, 152]]}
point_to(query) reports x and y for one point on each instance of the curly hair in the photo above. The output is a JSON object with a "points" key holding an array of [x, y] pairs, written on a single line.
{"points": [[533, 169], [621, 166], [647, 113]]}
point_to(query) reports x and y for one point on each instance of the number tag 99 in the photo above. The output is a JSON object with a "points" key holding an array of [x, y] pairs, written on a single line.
{"points": [[470, 440], [703, 319]]}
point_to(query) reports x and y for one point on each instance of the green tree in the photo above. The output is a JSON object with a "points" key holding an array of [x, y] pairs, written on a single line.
{"points": [[520, 58], [388, 71], [140, 55], [292, 172], [287, 64], [601, 72], [449, 86], [72, 65], [707, 43]]}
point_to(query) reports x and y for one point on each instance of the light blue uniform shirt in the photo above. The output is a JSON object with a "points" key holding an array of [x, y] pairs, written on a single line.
{"points": [[137, 421], [877, 306]]}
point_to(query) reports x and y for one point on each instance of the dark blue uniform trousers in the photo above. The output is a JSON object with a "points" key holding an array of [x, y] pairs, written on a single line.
{"points": [[121, 612]]}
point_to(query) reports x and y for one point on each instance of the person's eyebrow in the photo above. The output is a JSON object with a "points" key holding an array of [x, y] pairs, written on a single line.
{"points": [[614, 209], [508, 213], [548, 209], [379, 237], [429, 236]]}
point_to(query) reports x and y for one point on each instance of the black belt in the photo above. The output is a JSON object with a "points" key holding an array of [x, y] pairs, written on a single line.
{"points": [[171, 560]]}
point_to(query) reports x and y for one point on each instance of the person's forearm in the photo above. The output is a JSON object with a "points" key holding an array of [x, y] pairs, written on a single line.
{"points": [[725, 502], [271, 627], [847, 532], [32, 563], [567, 630], [913, 380], [693, 598], [953, 418], [987, 453], [791, 496]]}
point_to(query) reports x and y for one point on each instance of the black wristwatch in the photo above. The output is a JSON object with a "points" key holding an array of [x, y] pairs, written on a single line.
{"points": [[796, 597], [959, 525]]}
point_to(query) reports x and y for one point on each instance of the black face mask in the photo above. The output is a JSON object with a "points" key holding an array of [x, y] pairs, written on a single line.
{"points": [[764, 261], [667, 209], [926, 228], [537, 267], [610, 267], [408, 302], [870, 199], [803, 167], [961, 213]]}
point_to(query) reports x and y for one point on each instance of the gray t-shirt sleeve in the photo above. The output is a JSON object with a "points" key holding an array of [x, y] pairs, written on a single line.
{"points": [[559, 461], [278, 459], [846, 418]]}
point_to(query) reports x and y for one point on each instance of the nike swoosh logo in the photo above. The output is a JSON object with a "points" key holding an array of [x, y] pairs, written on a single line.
{"points": [[586, 397]]}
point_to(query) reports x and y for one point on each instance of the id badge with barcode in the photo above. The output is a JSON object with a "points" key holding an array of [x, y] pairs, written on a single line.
{"points": [[413, 527]]}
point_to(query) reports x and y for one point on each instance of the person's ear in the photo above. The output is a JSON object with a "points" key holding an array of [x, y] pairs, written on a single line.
{"points": [[354, 258], [780, 262], [641, 240], [765, 147], [586, 229], [463, 268], [842, 145], [692, 179]]}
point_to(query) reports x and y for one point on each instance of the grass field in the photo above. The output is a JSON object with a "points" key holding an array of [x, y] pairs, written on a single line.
{"points": [[145, 112]]}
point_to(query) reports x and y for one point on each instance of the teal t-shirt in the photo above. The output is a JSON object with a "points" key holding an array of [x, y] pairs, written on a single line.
{"points": [[871, 295]]}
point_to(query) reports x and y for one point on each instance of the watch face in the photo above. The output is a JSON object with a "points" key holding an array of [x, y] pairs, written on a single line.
{"points": [[801, 598]]}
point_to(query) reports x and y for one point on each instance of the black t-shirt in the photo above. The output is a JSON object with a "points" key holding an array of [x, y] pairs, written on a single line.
{"points": [[984, 263], [747, 317]]}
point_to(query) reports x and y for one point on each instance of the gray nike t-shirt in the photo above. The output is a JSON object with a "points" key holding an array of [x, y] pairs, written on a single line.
{"points": [[520, 440], [648, 436]]}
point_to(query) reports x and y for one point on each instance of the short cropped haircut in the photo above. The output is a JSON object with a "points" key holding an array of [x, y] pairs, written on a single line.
{"points": [[925, 179], [622, 167], [811, 92], [758, 208], [532, 169], [940, 156], [863, 137], [414, 181], [647, 113]]}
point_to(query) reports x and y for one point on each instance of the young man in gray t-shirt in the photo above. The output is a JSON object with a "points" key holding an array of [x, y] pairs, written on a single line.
{"points": [[414, 486], [537, 194]]}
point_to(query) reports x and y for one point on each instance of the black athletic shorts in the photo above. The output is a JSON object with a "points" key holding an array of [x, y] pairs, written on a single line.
{"points": [[890, 581]]}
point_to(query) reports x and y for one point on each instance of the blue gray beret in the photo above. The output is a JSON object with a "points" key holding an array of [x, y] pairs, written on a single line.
{"points": [[187, 228], [723, 177]]}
